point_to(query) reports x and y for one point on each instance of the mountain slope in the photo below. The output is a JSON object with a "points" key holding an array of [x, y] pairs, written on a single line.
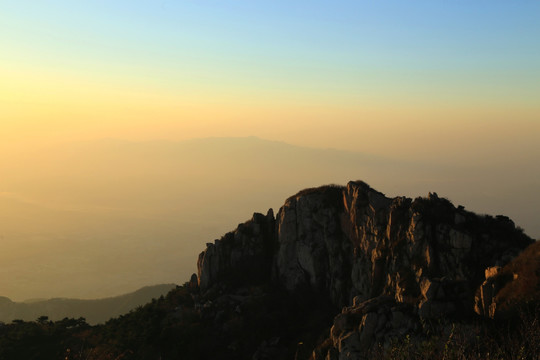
{"points": [[338, 273], [94, 311]]}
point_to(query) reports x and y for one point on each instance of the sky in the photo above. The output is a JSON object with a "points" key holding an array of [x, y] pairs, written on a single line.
{"points": [[448, 87], [459, 76]]}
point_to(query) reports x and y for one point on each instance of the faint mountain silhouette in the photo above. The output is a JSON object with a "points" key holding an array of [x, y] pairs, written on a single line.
{"points": [[94, 311]]}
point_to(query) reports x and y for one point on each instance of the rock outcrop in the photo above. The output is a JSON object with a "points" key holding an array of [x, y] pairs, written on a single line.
{"points": [[241, 257], [379, 320], [388, 262], [517, 283]]}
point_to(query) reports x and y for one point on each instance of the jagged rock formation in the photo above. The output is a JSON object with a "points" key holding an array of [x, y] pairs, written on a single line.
{"points": [[353, 245], [358, 327], [241, 257]]}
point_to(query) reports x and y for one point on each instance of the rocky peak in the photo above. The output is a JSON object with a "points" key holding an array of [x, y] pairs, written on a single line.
{"points": [[354, 241], [353, 244]]}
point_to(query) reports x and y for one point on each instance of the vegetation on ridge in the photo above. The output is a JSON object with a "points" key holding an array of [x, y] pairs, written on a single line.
{"points": [[173, 327]]}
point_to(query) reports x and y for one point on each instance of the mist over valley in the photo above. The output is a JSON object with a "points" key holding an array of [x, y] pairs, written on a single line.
{"points": [[102, 218]]}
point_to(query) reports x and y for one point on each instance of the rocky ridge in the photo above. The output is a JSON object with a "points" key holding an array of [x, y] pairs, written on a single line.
{"points": [[388, 263]]}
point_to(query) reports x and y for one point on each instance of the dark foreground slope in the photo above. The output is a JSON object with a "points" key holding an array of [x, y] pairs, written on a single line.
{"points": [[338, 273]]}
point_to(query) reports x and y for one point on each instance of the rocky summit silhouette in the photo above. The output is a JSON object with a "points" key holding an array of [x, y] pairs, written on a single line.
{"points": [[388, 263], [340, 272]]}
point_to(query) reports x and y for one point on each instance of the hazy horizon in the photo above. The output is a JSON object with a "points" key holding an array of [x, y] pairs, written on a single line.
{"points": [[101, 218], [215, 110]]}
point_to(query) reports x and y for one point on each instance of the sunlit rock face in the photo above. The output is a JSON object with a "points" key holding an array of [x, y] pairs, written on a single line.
{"points": [[355, 242], [485, 298], [421, 258]]}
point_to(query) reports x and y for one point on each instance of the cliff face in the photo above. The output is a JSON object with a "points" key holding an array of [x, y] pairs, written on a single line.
{"points": [[241, 257], [387, 262]]}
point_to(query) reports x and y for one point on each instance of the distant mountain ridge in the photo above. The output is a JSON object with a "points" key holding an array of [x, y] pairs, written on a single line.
{"points": [[94, 311]]}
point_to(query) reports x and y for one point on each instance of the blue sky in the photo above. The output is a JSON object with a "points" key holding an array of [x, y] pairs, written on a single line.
{"points": [[393, 35]]}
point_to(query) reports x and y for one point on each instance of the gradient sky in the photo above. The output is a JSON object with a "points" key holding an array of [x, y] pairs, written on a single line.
{"points": [[450, 89], [402, 76]]}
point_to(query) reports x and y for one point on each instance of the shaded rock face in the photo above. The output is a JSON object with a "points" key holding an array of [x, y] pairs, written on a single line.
{"points": [[313, 251], [241, 257], [421, 258], [517, 283]]}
